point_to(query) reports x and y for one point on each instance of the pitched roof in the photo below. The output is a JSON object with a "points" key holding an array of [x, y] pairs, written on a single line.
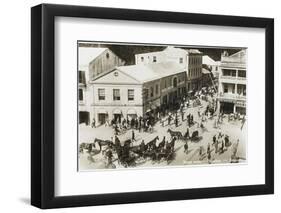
{"points": [[140, 72], [208, 60], [88, 54], [149, 72], [166, 69], [172, 49]]}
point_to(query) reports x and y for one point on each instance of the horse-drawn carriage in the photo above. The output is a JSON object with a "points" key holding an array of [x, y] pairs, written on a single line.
{"points": [[195, 136]]}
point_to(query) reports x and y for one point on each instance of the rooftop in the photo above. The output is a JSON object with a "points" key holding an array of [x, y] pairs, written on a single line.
{"points": [[171, 50], [88, 54], [149, 72], [209, 61]]}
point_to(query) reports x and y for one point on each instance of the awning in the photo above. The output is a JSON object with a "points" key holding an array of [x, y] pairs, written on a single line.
{"points": [[102, 111], [131, 112], [116, 111]]}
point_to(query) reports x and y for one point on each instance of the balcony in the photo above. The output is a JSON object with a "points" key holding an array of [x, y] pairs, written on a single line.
{"points": [[232, 96], [233, 79]]}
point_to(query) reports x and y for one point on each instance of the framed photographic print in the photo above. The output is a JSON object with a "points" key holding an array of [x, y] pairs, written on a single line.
{"points": [[140, 106]]}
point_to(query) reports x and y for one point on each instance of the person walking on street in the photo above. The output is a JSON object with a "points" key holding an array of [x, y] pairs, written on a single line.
{"points": [[182, 116], [222, 147], [94, 123], [216, 146], [243, 122], [176, 120], [186, 147], [169, 120], [133, 136]]}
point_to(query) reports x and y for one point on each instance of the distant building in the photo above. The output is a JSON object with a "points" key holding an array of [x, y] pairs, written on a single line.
{"points": [[212, 65], [92, 61], [232, 83], [135, 90], [207, 79], [189, 59]]}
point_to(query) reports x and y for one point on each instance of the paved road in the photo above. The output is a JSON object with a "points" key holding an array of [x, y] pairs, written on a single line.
{"points": [[87, 134]]}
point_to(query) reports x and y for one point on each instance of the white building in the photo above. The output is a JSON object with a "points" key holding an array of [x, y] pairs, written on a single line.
{"points": [[212, 65], [232, 82], [189, 59], [130, 91], [92, 61]]}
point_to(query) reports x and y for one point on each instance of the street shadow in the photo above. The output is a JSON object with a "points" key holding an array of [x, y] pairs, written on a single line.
{"points": [[25, 200]]}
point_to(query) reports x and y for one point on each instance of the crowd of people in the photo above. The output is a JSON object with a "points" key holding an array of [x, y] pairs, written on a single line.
{"points": [[127, 152]]}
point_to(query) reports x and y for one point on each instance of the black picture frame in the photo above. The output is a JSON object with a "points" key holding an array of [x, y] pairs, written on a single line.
{"points": [[43, 105]]}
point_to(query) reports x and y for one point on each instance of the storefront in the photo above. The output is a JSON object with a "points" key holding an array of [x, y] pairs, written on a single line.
{"points": [[117, 115], [131, 113], [84, 117], [240, 107]]}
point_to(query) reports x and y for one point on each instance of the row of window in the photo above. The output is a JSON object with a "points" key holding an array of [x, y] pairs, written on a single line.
{"points": [[154, 59], [230, 88], [194, 72], [195, 60], [116, 94], [81, 77], [233, 73]]}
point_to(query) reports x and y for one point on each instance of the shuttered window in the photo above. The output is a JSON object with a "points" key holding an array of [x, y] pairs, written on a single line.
{"points": [[131, 95], [82, 79], [101, 93], [80, 95], [116, 94]]}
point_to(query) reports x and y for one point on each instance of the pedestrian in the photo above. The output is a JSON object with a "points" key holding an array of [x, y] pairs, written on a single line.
{"points": [[176, 121], [94, 123], [186, 135], [216, 146], [188, 120], [222, 147], [214, 139], [208, 148], [209, 157], [106, 123], [116, 129], [243, 121], [133, 136], [200, 150], [162, 121], [182, 116], [186, 147], [169, 119], [109, 156]]}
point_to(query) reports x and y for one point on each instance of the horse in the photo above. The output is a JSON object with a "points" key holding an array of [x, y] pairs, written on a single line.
{"points": [[177, 134], [83, 146], [102, 143]]}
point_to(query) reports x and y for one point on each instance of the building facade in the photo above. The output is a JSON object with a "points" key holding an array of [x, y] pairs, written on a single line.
{"points": [[189, 59], [135, 90], [233, 83], [92, 62]]}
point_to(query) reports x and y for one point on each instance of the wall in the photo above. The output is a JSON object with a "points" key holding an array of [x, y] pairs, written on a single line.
{"points": [[15, 107]]}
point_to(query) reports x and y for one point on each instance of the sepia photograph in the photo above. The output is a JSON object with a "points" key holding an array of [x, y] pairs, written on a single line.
{"points": [[157, 105]]}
